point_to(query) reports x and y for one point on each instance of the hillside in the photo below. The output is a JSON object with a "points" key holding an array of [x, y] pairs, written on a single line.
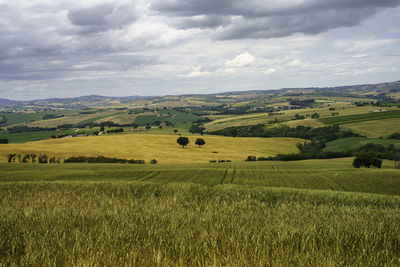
{"points": [[162, 147]]}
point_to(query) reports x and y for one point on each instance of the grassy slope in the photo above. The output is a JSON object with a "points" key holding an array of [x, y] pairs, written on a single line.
{"points": [[162, 147], [375, 128], [324, 112], [31, 136], [20, 117], [361, 117], [353, 143], [335, 174]]}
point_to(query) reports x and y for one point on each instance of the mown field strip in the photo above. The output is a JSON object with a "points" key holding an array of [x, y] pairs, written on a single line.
{"points": [[337, 174]]}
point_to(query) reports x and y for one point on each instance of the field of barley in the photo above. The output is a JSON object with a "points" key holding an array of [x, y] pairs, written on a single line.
{"points": [[162, 147]]}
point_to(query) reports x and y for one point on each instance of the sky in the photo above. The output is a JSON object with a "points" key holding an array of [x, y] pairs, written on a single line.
{"points": [[68, 48]]}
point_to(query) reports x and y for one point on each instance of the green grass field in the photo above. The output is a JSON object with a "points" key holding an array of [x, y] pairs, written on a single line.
{"points": [[32, 136], [361, 117], [375, 128], [352, 143], [180, 119], [24, 117], [199, 214]]}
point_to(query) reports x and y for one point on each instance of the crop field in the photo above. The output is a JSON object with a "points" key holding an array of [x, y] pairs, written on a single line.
{"points": [[25, 117], [71, 119], [362, 117], [306, 122], [162, 147], [32, 136], [352, 143], [288, 115], [334, 174], [200, 214], [178, 118], [375, 128]]}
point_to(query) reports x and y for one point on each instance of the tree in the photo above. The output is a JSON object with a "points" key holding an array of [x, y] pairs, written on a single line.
{"points": [[367, 160], [148, 127], [200, 142], [175, 131], [183, 141]]}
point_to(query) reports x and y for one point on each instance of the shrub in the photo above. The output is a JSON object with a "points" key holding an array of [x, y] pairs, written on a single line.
{"points": [[367, 160], [251, 158]]}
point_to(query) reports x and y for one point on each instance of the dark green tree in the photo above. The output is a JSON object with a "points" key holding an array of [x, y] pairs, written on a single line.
{"points": [[367, 160], [200, 142], [183, 141]]}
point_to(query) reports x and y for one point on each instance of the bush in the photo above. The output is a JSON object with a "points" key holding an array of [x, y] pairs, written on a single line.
{"points": [[153, 161], [367, 160], [251, 158], [4, 141], [183, 141]]}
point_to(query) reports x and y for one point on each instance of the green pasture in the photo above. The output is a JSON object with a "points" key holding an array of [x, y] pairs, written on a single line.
{"points": [[352, 143], [31, 136], [361, 117], [24, 117], [180, 119]]}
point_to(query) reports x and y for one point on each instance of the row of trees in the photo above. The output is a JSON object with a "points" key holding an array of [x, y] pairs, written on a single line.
{"points": [[184, 141], [42, 158], [25, 158]]}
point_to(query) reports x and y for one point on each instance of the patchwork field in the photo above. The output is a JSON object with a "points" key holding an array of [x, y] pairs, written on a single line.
{"points": [[372, 116], [162, 147], [347, 113]]}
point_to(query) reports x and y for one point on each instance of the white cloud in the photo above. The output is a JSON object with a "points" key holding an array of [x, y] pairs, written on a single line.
{"points": [[197, 72], [294, 63], [269, 71], [241, 60], [229, 71]]}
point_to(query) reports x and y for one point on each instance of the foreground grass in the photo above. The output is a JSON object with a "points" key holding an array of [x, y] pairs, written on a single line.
{"points": [[143, 224]]}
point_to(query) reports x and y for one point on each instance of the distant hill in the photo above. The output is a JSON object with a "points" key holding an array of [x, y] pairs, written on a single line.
{"points": [[100, 101]]}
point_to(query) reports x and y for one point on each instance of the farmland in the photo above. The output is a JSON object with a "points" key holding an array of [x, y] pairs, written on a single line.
{"points": [[159, 146], [361, 117], [335, 174], [190, 215], [202, 206], [375, 128]]}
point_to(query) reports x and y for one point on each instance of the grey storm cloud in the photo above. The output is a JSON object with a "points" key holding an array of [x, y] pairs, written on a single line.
{"points": [[102, 18], [235, 19]]}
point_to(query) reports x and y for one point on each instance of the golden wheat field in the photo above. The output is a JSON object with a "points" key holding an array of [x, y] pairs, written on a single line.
{"points": [[162, 147]]}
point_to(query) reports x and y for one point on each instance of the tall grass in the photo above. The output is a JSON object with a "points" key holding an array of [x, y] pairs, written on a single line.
{"points": [[144, 224]]}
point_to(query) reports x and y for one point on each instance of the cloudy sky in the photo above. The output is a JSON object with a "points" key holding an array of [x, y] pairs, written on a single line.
{"points": [[65, 48]]}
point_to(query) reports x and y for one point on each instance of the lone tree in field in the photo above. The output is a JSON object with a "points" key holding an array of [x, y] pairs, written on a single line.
{"points": [[175, 131], [367, 160], [183, 141], [200, 142]]}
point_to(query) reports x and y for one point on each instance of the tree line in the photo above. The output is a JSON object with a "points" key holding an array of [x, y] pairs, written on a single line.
{"points": [[43, 158], [325, 134]]}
